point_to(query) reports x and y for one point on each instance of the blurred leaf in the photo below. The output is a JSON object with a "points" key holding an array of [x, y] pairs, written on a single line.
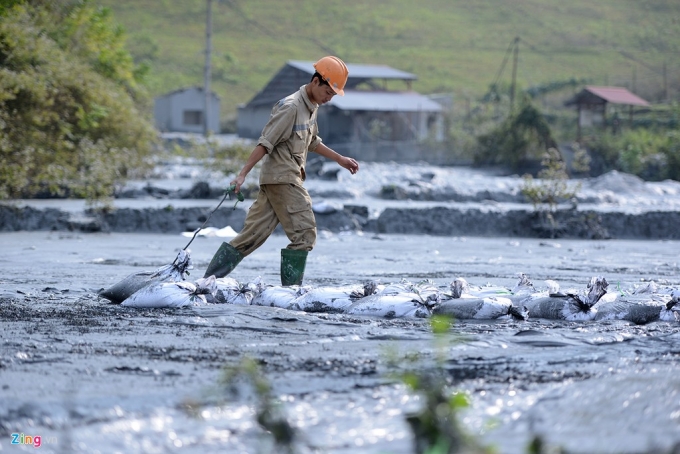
{"points": [[441, 324], [411, 380], [459, 400]]}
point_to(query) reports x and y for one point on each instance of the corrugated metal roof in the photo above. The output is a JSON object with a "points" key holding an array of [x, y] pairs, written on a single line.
{"points": [[617, 95], [360, 71], [385, 101], [181, 90]]}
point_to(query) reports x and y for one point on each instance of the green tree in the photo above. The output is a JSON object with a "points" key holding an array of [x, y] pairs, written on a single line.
{"points": [[6, 5], [89, 32], [518, 142], [70, 102]]}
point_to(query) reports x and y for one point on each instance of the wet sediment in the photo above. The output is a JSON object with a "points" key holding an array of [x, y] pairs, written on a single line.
{"points": [[113, 378]]}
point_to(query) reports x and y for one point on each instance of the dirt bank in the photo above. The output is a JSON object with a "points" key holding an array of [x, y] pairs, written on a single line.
{"points": [[444, 220], [381, 198]]}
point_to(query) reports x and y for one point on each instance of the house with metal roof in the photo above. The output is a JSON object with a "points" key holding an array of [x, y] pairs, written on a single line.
{"points": [[370, 121], [183, 111], [592, 104]]}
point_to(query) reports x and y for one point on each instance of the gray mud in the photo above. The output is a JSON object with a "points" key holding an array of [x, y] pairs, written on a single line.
{"points": [[88, 376]]}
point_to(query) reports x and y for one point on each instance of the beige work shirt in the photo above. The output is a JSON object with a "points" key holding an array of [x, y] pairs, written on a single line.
{"points": [[288, 135]]}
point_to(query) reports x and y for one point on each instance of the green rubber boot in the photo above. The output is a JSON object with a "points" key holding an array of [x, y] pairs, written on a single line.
{"points": [[292, 266], [224, 261]]}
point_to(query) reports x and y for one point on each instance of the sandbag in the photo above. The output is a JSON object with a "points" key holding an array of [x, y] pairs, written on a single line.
{"points": [[174, 272], [488, 308], [232, 292], [639, 309], [224, 287], [402, 305], [279, 296], [326, 299], [166, 294]]}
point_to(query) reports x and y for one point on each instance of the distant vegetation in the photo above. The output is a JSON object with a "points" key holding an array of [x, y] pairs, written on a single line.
{"points": [[519, 140], [452, 46], [77, 76], [650, 153], [459, 48], [71, 103]]}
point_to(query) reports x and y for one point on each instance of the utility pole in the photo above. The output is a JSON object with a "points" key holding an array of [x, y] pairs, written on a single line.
{"points": [[665, 83], [206, 73], [514, 73]]}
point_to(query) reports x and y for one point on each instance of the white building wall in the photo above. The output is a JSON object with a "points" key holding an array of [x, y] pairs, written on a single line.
{"points": [[169, 111], [162, 113]]}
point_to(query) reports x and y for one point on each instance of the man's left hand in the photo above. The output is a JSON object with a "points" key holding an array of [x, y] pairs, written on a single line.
{"points": [[350, 164]]}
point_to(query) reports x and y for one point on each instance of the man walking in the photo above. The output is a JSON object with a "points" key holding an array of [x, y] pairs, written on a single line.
{"points": [[290, 133]]}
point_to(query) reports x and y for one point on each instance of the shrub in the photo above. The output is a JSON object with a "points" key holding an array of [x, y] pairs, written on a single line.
{"points": [[517, 142], [67, 128], [553, 186], [651, 155], [672, 153]]}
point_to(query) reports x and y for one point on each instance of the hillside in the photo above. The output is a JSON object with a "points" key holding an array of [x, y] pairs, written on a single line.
{"points": [[451, 45]]}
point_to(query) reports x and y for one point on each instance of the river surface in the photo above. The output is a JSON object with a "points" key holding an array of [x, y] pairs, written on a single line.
{"points": [[88, 376]]}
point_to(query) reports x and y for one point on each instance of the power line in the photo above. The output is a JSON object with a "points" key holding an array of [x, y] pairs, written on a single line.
{"points": [[505, 61], [261, 28]]}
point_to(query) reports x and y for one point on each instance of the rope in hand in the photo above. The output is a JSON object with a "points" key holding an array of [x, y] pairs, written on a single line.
{"points": [[239, 197]]}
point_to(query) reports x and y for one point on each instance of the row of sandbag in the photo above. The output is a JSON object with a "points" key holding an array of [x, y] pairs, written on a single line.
{"points": [[641, 304], [167, 287], [393, 301]]}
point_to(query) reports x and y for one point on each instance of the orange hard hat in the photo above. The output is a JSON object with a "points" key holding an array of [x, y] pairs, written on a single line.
{"points": [[334, 71]]}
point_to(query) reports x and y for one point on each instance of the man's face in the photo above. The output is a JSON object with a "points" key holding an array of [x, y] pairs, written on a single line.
{"points": [[321, 93]]}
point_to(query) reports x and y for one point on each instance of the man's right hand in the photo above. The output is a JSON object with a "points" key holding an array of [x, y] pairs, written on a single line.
{"points": [[237, 182]]}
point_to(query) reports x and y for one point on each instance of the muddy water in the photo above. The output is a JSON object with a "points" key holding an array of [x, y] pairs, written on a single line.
{"points": [[88, 376]]}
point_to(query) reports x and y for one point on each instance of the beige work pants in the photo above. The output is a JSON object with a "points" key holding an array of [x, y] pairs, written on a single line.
{"points": [[288, 204]]}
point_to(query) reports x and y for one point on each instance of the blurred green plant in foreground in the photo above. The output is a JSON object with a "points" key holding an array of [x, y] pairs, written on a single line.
{"points": [[436, 427], [269, 414], [246, 381]]}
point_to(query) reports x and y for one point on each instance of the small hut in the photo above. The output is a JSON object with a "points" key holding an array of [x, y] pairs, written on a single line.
{"points": [[183, 110], [592, 102]]}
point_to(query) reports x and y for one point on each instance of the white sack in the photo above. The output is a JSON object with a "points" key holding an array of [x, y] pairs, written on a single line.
{"points": [[166, 294]]}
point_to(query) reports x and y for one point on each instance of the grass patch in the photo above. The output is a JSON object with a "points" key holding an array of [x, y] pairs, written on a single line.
{"points": [[450, 46]]}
